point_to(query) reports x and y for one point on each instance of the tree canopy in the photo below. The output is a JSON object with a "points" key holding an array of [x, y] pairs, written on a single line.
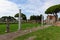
{"points": [[33, 17], [7, 17], [22, 15], [53, 9]]}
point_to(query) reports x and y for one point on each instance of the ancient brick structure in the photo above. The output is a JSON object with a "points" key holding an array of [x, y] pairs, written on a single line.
{"points": [[50, 19]]}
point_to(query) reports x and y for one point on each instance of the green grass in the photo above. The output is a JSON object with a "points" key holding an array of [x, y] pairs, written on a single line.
{"points": [[14, 27], [50, 33], [29, 25]]}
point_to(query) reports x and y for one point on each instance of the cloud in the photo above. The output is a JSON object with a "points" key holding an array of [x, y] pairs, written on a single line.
{"points": [[37, 7], [8, 8]]}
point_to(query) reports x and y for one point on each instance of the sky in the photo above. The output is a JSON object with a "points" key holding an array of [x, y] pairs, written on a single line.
{"points": [[28, 7]]}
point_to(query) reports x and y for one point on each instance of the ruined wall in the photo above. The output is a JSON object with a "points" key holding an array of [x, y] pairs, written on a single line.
{"points": [[50, 19]]}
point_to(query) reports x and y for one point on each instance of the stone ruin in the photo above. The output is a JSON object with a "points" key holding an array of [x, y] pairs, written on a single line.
{"points": [[51, 20]]}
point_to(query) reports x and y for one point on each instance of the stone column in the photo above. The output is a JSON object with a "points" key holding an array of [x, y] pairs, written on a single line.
{"points": [[19, 26], [7, 26]]}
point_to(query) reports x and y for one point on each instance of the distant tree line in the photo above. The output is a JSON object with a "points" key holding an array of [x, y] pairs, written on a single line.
{"points": [[36, 18], [23, 16], [33, 17]]}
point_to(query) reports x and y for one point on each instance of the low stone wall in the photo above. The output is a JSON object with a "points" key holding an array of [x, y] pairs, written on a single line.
{"points": [[57, 23]]}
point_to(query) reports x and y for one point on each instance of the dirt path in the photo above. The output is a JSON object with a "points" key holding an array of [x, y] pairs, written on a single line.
{"points": [[11, 36]]}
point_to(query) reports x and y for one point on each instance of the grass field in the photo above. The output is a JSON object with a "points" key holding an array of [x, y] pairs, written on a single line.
{"points": [[29, 25], [51, 33], [14, 27]]}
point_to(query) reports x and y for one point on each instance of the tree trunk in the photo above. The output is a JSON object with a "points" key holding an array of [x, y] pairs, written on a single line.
{"points": [[56, 16]]}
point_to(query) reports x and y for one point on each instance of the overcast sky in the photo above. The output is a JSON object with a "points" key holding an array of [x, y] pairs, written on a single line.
{"points": [[28, 7]]}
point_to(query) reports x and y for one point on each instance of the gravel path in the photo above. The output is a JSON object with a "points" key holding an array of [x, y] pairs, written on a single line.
{"points": [[11, 36]]}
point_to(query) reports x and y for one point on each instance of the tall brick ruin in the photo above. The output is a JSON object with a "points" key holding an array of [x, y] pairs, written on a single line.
{"points": [[50, 19]]}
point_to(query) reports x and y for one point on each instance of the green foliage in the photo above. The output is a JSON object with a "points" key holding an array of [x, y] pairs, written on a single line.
{"points": [[16, 15], [53, 9], [33, 17], [3, 18], [22, 15]]}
